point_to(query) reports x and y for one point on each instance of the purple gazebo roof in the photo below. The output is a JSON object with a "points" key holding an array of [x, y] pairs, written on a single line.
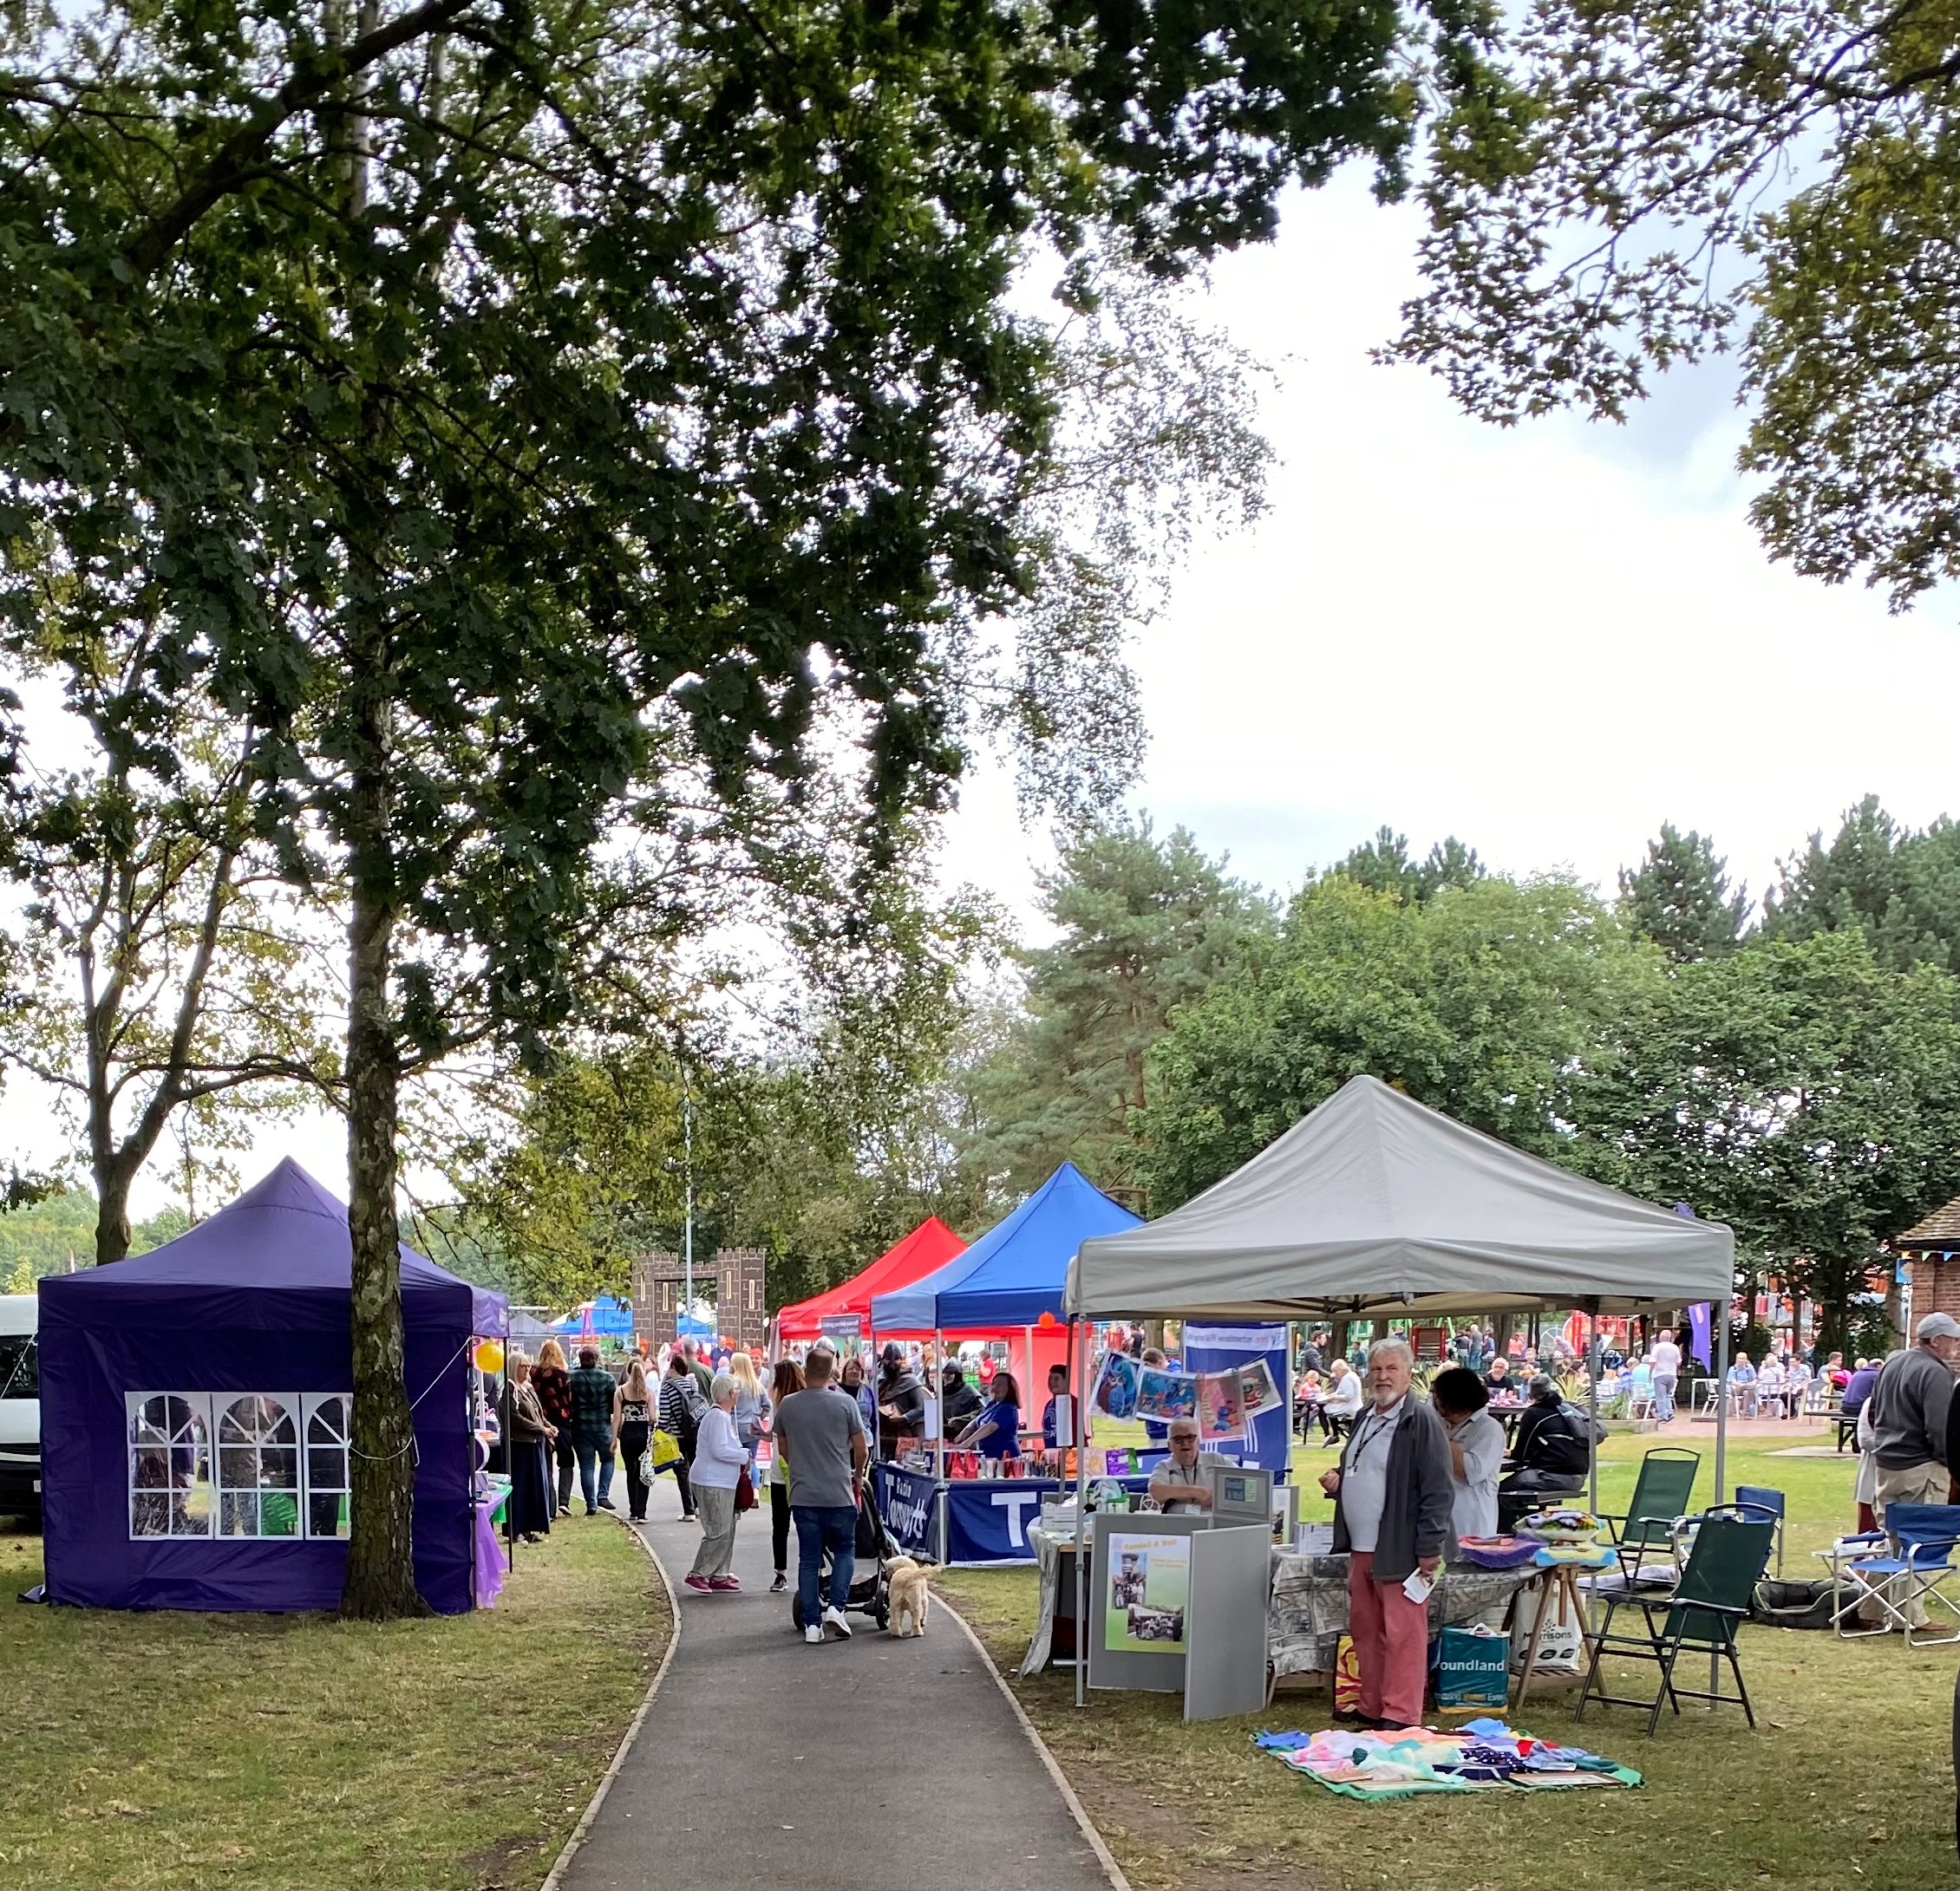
{"points": [[280, 1256]]}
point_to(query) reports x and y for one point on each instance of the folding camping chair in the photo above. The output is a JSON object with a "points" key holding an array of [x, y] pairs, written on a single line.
{"points": [[1867, 1568], [1661, 1495], [1702, 1614], [1764, 1504]]}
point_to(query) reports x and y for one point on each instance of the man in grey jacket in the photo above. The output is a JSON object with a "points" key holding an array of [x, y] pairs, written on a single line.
{"points": [[1909, 1407], [1392, 1503]]}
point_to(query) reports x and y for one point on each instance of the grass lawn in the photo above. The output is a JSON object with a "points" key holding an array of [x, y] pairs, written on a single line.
{"points": [[1846, 1781], [169, 1749]]}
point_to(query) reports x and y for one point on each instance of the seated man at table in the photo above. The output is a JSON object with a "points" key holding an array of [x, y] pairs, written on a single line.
{"points": [[1498, 1382], [1552, 1454], [1177, 1484]]}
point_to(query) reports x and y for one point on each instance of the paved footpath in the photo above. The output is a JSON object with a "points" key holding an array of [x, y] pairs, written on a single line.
{"points": [[873, 1764]]}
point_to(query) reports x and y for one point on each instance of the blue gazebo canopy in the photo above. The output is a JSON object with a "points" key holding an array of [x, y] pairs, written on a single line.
{"points": [[1015, 1272]]}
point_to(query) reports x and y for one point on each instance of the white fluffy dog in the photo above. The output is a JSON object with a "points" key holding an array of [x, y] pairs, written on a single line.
{"points": [[909, 1595]]}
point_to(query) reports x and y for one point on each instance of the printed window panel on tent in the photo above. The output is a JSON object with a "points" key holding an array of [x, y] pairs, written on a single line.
{"points": [[169, 1463], [258, 1487], [328, 1418]]}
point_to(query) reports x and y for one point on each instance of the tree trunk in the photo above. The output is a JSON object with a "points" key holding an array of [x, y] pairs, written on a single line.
{"points": [[113, 1234], [380, 1579]]}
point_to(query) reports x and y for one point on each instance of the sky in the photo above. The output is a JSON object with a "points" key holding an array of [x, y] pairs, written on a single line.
{"points": [[1546, 641]]}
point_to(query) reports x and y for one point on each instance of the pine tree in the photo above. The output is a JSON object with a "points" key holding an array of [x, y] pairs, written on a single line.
{"points": [[1679, 898]]}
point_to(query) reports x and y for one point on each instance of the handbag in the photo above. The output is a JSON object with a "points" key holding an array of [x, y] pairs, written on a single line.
{"points": [[745, 1491]]}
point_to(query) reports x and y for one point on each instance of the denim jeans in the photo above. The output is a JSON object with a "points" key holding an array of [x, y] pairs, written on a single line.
{"points": [[595, 1455], [820, 1527], [1664, 1395]]}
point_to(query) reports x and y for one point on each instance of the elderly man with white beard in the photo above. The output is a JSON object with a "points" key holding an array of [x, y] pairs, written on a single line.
{"points": [[1392, 1503]]}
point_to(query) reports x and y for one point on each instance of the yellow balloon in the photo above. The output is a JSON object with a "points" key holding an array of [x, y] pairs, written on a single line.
{"points": [[489, 1355]]}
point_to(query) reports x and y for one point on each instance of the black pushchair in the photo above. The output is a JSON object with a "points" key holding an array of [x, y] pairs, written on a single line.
{"points": [[871, 1590]]}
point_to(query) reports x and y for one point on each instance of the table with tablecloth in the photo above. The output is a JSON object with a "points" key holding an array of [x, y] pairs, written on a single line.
{"points": [[1308, 1613], [488, 1503]]}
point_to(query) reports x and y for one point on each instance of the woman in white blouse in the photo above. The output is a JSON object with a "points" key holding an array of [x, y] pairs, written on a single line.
{"points": [[1341, 1404]]}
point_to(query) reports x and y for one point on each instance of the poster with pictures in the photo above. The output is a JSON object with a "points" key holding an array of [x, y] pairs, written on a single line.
{"points": [[1256, 1393], [1116, 1385], [1165, 1395], [1149, 1585], [1220, 1413]]}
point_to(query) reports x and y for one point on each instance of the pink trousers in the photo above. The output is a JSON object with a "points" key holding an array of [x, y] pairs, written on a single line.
{"points": [[1391, 1636]]}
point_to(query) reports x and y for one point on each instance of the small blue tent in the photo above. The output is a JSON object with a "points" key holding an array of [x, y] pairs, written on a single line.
{"points": [[611, 1319], [1015, 1272]]}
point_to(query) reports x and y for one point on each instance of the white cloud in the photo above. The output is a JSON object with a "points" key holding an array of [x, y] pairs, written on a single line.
{"points": [[1546, 641]]}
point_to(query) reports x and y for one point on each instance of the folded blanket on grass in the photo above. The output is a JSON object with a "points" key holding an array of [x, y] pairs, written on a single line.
{"points": [[1484, 1756]]}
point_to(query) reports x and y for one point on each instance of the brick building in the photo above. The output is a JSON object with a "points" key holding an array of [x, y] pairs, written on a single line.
{"points": [[1932, 1252]]}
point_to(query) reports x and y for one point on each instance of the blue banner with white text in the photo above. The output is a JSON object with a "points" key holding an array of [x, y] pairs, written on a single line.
{"points": [[1220, 1349], [905, 1501]]}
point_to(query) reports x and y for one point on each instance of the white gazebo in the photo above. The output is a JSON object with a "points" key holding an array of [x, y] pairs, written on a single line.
{"points": [[1375, 1207]]}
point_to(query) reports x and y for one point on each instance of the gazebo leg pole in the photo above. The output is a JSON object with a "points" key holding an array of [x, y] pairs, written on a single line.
{"points": [[1720, 1313], [1593, 1425], [939, 1479], [1079, 1347]]}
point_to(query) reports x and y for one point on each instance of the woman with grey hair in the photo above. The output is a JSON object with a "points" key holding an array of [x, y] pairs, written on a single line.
{"points": [[720, 1457]]}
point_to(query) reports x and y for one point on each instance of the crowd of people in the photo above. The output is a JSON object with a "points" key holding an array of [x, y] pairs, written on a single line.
{"points": [[1418, 1471]]}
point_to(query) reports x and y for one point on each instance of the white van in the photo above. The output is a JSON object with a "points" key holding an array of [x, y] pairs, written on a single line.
{"points": [[20, 1406]]}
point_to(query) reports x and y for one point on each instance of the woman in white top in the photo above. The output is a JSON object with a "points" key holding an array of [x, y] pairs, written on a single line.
{"points": [[1342, 1403], [1476, 1450], [719, 1461]]}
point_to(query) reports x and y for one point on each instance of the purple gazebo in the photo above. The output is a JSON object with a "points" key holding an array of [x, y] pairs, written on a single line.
{"points": [[195, 1405]]}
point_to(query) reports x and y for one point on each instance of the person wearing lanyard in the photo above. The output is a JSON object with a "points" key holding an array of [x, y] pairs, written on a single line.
{"points": [[1392, 1504]]}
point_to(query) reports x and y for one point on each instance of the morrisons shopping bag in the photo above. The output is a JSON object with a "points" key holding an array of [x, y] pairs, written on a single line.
{"points": [[1560, 1629], [1473, 1668]]}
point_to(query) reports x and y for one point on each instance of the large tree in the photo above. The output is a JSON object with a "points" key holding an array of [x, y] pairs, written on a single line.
{"points": [[1386, 865], [1143, 923], [1484, 1001], [1679, 896], [169, 989], [536, 412], [1798, 1091], [1898, 886], [1644, 184]]}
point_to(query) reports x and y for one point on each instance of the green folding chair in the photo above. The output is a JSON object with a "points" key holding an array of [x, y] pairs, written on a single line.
{"points": [[1700, 1616], [1662, 1493]]}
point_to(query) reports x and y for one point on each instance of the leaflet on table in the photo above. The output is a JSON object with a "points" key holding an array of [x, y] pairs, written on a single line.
{"points": [[1149, 1584]]}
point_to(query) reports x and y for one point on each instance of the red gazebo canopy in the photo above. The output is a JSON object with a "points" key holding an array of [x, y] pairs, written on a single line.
{"points": [[929, 1245]]}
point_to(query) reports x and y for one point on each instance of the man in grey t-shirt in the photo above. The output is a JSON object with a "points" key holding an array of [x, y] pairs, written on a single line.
{"points": [[822, 1438]]}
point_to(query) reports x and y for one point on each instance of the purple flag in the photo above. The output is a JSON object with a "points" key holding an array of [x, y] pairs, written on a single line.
{"points": [[1698, 1329]]}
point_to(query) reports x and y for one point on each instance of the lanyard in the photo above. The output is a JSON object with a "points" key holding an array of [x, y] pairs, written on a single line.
{"points": [[1374, 1425]]}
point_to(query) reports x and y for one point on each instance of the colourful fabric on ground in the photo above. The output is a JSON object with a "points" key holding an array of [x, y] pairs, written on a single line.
{"points": [[1484, 1756]]}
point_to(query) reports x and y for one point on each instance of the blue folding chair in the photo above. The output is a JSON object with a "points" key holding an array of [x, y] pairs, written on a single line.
{"points": [[1894, 1568], [1764, 1505]]}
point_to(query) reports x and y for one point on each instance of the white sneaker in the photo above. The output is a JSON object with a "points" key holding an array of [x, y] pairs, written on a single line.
{"points": [[813, 1635], [833, 1620]]}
